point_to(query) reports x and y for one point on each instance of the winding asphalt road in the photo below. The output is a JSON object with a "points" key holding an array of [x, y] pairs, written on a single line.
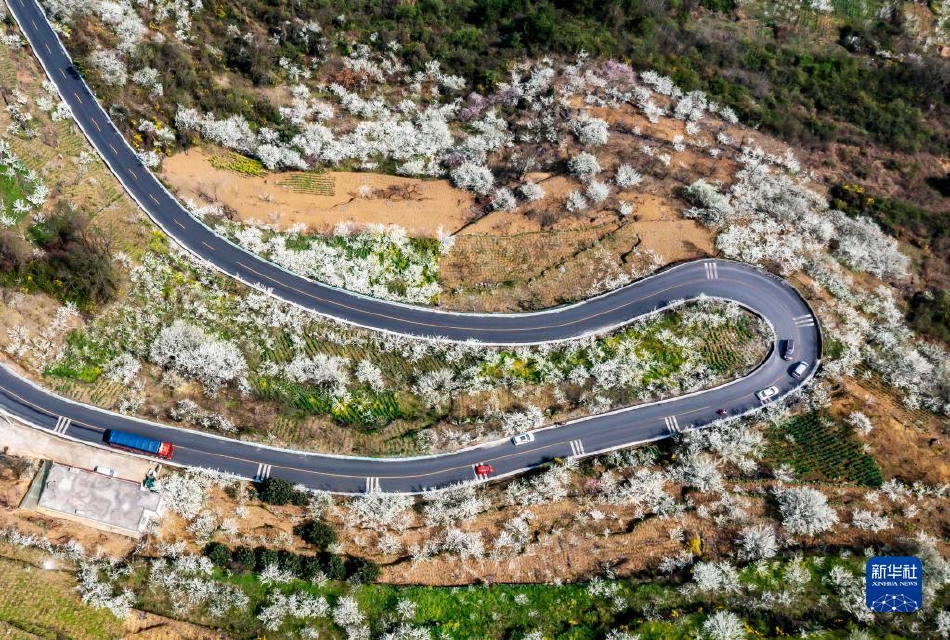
{"points": [[765, 295]]}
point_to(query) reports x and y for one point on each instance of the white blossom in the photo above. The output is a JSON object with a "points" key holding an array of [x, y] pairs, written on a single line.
{"points": [[805, 511]]}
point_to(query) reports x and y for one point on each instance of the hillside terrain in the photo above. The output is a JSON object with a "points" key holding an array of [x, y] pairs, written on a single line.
{"points": [[496, 156]]}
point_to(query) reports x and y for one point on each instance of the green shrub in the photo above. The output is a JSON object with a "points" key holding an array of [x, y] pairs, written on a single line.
{"points": [[276, 491], [245, 558], [218, 553], [929, 313], [74, 266], [366, 571], [334, 567], [310, 567], [316, 532], [289, 561], [266, 557]]}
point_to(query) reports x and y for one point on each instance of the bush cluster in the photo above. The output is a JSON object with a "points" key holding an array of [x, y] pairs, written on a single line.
{"points": [[278, 491], [75, 264], [303, 566]]}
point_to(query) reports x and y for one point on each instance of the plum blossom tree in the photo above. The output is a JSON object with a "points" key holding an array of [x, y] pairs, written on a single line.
{"points": [[861, 423], [531, 191], [805, 511], [712, 207], [863, 246], [626, 177], [584, 166], [322, 369], [123, 368], [148, 77], [473, 177], [590, 131], [504, 200], [714, 577], [869, 521], [369, 374], [724, 625], [596, 191], [757, 542], [576, 201], [110, 67], [192, 353], [98, 591]]}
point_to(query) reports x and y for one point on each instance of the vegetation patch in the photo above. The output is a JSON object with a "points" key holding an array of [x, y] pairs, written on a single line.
{"points": [[819, 448], [43, 603], [898, 218], [75, 264], [238, 163], [313, 182], [360, 407]]}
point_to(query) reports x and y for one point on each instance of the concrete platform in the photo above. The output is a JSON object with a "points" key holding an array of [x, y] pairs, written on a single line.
{"points": [[112, 504]]}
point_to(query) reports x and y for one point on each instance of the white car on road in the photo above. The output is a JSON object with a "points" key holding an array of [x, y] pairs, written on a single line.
{"points": [[767, 394], [522, 438]]}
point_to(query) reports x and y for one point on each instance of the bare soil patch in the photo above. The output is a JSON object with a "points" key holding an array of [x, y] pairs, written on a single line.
{"points": [[285, 199]]}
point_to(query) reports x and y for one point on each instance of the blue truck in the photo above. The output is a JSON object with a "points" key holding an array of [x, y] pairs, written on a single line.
{"points": [[138, 444]]}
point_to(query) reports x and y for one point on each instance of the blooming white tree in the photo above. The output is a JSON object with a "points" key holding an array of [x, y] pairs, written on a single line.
{"points": [[869, 521], [757, 542], [148, 77], [369, 374], [192, 353], [531, 192], [863, 246], [473, 177], [322, 369], [576, 201], [805, 511], [596, 191], [590, 131], [724, 625], [712, 207], [110, 67], [942, 623], [123, 368], [504, 200], [584, 166], [626, 177], [861, 423], [715, 577]]}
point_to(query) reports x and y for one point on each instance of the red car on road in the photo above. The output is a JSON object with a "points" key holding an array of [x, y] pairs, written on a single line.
{"points": [[484, 469]]}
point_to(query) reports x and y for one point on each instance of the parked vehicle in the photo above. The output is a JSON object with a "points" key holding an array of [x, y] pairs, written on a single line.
{"points": [[767, 394], [721, 412], [484, 469], [522, 438], [789, 351], [800, 369], [138, 444], [106, 471]]}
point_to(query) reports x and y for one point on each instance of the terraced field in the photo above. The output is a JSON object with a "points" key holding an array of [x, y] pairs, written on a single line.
{"points": [[311, 182], [39, 603], [820, 449]]}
